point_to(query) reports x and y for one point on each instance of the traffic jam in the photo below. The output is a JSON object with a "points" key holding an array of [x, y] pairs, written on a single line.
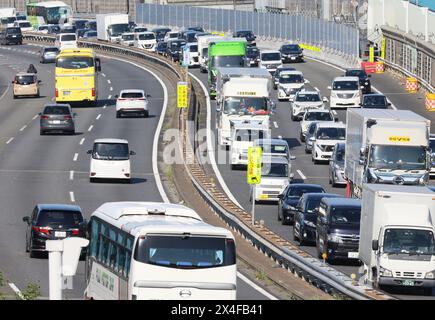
{"points": [[375, 209]]}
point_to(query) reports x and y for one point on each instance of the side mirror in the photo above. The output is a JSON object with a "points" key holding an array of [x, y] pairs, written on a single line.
{"points": [[83, 227], [280, 196], [89, 152], [116, 96], [292, 157], [39, 81], [12, 81], [132, 153], [148, 95], [369, 75], [325, 99], [291, 100], [336, 119], [312, 139], [375, 245], [306, 81], [329, 88], [218, 108], [40, 114], [388, 104], [26, 219], [74, 114]]}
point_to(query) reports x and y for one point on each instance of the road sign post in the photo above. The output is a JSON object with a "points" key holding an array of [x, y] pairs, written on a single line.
{"points": [[182, 103], [254, 174]]}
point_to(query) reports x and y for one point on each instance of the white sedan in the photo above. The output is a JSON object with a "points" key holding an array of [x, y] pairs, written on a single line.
{"points": [[132, 102]]}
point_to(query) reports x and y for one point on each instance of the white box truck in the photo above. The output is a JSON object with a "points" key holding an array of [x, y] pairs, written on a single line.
{"points": [[387, 147], [203, 42], [397, 246], [111, 26], [242, 94]]}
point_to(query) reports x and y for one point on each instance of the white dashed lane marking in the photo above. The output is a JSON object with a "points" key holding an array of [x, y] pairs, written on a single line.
{"points": [[76, 155], [71, 195], [301, 175], [98, 117], [81, 141]]}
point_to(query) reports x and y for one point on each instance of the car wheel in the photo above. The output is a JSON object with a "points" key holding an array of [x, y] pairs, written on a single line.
{"points": [[32, 254], [329, 178], [41, 132], [301, 136], [301, 239], [27, 245], [72, 132], [15, 97], [91, 180], [145, 114], [279, 216], [118, 114], [427, 291]]}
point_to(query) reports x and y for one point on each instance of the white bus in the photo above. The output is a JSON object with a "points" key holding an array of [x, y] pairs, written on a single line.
{"points": [[48, 12], [147, 250]]}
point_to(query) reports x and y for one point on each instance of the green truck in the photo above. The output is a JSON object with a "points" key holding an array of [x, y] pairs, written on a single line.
{"points": [[227, 53]]}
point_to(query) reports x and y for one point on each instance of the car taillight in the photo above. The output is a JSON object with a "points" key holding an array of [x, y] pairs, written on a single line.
{"points": [[121, 99], [66, 117], [57, 92], [93, 92], [45, 117], [75, 232], [44, 230], [93, 174]]}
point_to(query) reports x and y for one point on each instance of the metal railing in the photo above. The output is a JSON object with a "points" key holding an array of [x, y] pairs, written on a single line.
{"points": [[267, 26]]}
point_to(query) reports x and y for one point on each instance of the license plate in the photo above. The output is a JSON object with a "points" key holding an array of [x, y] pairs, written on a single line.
{"points": [[408, 282], [264, 196], [60, 234], [55, 122], [352, 255], [66, 93], [293, 58]]}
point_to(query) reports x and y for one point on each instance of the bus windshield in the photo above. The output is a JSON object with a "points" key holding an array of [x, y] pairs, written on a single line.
{"points": [[57, 15], [75, 62], [185, 252]]}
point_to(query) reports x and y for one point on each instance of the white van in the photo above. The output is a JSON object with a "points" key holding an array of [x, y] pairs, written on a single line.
{"points": [[243, 135], [145, 40], [110, 160], [171, 35], [190, 55], [275, 176], [270, 60], [289, 83], [345, 92], [66, 41]]}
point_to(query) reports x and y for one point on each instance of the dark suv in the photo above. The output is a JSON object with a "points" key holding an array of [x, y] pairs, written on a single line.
{"points": [[304, 228], [290, 197], [52, 222], [291, 53], [338, 229], [57, 117], [11, 35], [248, 35], [364, 80], [173, 49]]}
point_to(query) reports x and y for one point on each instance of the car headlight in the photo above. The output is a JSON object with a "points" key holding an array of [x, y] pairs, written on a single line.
{"points": [[385, 272], [309, 223], [334, 238], [430, 275]]}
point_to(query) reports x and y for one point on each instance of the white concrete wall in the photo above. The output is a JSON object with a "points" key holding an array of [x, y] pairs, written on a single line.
{"points": [[401, 15]]}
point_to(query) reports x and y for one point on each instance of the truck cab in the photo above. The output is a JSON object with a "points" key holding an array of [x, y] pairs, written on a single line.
{"points": [[242, 94], [243, 135], [189, 54], [275, 176], [397, 244]]}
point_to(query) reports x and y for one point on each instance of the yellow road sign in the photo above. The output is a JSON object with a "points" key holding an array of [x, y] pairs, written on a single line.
{"points": [[182, 94], [371, 54], [254, 165], [383, 47]]}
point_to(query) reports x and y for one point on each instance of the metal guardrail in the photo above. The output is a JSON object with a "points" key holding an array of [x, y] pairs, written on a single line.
{"points": [[278, 249]]}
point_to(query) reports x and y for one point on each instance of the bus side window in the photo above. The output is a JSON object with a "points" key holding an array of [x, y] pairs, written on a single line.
{"points": [[103, 244], [94, 238], [113, 248]]}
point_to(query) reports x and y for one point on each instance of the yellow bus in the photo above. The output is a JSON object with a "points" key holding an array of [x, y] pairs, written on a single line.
{"points": [[77, 76]]}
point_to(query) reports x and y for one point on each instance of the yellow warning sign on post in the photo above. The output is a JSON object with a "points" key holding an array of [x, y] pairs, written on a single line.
{"points": [[254, 165], [182, 94], [371, 54], [383, 47]]}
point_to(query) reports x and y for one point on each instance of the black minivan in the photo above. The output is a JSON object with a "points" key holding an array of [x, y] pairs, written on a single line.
{"points": [[52, 222], [338, 229], [11, 35]]}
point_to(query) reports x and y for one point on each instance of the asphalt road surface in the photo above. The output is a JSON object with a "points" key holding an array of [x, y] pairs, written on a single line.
{"points": [[54, 169]]}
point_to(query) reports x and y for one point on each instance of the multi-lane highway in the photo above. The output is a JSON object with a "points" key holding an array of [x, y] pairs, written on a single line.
{"points": [[320, 76], [54, 169]]}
